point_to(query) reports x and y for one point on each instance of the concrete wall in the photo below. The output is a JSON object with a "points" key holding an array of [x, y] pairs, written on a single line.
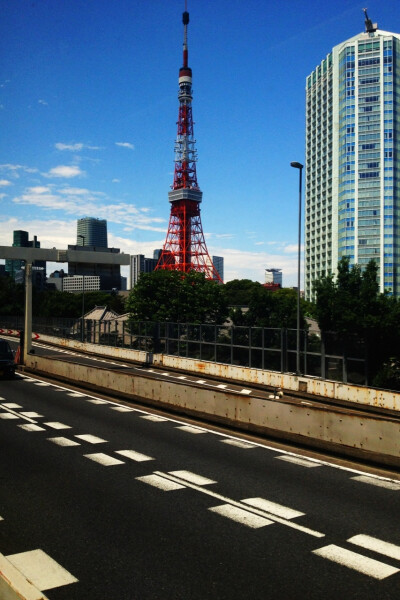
{"points": [[320, 387], [356, 434]]}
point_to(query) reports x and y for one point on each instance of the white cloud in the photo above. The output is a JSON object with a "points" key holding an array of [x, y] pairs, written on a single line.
{"points": [[4, 182], [75, 147], [125, 145], [43, 102], [65, 171], [116, 181]]}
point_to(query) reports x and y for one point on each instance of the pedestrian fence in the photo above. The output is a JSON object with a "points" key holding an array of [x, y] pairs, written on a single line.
{"points": [[325, 356]]}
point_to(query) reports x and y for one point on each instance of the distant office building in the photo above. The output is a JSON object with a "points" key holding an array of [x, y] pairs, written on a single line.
{"points": [[110, 275], [78, 283], [92, 232], [55, 280], [352, 158], [273, 276], [141, 264], [21, 240], [157, 253], [218, 262], [38, 276]]}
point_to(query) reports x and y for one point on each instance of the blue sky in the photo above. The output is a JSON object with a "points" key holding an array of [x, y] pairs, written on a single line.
{"points": [[88, 111]]}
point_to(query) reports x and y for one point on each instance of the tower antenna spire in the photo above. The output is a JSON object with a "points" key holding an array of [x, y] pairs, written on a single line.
{"points": [[185, 247], [370, 27]]}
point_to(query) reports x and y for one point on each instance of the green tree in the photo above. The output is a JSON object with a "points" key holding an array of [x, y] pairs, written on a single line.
{"points": [[11, 297], [238, 291], [177, 297], [276, 308]]}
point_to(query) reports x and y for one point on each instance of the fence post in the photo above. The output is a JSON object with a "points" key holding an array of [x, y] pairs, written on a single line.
{"points": [[305, 333], [323, 358], [345, 365], [284, 350]]}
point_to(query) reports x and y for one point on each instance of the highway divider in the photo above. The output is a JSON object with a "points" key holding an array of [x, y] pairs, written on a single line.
{"points": [[346, 431]]}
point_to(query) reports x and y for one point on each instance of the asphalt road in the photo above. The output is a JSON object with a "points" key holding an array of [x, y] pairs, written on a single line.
{"points": [[133, 506]]}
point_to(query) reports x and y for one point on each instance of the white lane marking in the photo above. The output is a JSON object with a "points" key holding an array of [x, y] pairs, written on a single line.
{"points": [[62, 441], [137, 456], [190, 429], [389, 485], [241, 516], [104, 459], [192, 477], [160, 483], [92, 439], [237, 443], [222, 386], [200, 381], [76, 395], [57, 425], [303, 462], [276, 509], [254, 510], [122, 408], [96, 401], [8, 415], [376, 545], [32, 414], [39, 568], [31, 427], [244, 391], [182, 377], [41, 384], [358, 562], [11, 405], [154, 418]]}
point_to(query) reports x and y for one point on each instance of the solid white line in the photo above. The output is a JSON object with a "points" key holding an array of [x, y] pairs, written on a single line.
{"points": [[237, 443], [272, 507], [62, 441], [92, 439], [57, 425], [254, 510], [104, 459], [190, 429], [137, 456], [160, 482], [389, 485], [241, 516], [192, 477], [376, 545], [303, 462], [31, 427], [39, 568], [358, 562]]}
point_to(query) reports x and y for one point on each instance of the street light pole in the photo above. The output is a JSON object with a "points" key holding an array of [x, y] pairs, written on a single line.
{"points": [[83, 295], [299, 166]]}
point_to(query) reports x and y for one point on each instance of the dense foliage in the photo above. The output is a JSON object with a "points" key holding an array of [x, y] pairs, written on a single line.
{"points": [[177, 297], [351, 305]]}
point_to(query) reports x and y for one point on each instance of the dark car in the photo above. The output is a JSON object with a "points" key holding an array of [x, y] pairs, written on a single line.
{"points": [[7, 364]]}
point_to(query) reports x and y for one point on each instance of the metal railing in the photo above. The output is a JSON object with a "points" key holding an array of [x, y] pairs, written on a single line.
{"points": [[257, 347]]}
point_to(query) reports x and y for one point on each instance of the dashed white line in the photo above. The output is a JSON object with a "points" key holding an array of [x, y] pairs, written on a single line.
{"points": [[11, 405], [271, 507], [192, 477], [137, 456], [62, 441], [303, 462], [161, 483], [237, 443], [92, 439], [244, 391], [376, 545], [190, 429], [122, 408], [31, 414], [154, 418], [104, 459], [31, 427], [358, 562], [96, 401], [389, 485], [39, 568], [8, 415], [241, 516], [57, 425]]}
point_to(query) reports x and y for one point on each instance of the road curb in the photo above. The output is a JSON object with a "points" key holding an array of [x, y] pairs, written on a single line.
{"points": [[14, 585]]}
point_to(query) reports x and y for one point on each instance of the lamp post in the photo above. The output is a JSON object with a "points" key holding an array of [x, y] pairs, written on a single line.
{"points": [[83, 294], [299, 166]]}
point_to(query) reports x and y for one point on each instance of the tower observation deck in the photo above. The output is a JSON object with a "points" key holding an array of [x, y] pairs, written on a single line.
{"points": [[185, 247]]}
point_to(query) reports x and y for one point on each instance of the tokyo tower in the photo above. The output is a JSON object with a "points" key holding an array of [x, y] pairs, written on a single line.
{"points": [[185, 247]]}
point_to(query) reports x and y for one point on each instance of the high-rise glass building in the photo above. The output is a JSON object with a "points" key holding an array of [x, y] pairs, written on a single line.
{"points": [[92, 232], [352, 192]]}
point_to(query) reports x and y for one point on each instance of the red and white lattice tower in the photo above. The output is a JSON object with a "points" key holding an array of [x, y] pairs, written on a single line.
{"points": [[185, 247]]}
